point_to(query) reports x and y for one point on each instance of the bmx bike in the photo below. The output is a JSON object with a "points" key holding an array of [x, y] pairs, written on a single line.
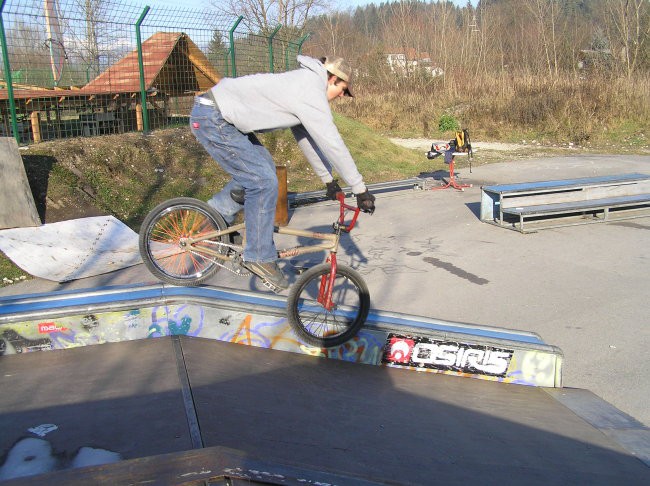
{"points": [[184, 241]]}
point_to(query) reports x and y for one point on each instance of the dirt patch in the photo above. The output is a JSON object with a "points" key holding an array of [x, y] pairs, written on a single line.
{"points": [[58, 194]]}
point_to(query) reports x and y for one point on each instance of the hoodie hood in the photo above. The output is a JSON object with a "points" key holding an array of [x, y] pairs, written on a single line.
{"points": [[312, 64]]}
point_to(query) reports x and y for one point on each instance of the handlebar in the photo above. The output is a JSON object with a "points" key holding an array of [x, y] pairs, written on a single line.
{"points": [[342, 209]]}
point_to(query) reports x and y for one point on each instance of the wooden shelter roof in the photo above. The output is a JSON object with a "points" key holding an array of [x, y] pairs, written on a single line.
{"points": [[173, 65]]}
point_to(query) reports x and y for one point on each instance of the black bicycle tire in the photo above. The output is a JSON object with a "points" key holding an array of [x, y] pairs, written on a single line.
{"points": [[294, 298], [154, 217]]}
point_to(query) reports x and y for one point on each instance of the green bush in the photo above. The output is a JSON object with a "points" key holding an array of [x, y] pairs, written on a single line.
{"points": [[448, 123]]}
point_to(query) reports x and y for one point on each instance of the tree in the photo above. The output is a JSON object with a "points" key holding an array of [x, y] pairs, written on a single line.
{"points": [[28, 55], [334, 32], [267, 14], [629, 26], [546, 15], [95, 40], [217, 50]]}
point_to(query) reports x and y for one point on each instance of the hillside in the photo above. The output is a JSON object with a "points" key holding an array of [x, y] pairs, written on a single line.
{"points": [[126, 175]]}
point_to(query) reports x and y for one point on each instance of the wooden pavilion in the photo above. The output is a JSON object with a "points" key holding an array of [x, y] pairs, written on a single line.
{"points": [[174, 67]]}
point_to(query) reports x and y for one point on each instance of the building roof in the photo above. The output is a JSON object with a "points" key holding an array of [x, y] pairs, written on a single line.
{"points": [[409, 52], [173, 65]]}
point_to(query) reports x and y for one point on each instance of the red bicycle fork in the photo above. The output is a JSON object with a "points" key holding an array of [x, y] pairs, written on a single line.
{"points": [[327, 284]]}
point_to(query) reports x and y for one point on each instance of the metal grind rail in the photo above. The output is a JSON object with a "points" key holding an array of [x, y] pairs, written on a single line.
{"points": [[303, 198]]}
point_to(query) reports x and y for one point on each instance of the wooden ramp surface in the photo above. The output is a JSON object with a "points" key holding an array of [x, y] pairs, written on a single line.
{"points": [[338, 421], [17, 207]]}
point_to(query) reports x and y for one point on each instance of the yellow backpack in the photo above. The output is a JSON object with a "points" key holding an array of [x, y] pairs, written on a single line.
{"points": [[462, 142]]}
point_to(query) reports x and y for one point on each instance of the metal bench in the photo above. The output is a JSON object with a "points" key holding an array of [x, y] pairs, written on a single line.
{"points": [[549, 204]]}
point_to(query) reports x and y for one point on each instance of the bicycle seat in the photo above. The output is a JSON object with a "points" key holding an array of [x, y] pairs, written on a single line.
{"points": [[238, 195]]}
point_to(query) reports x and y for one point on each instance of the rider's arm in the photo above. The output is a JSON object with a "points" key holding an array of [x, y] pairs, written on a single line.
{"points": [[321, 163], [315, 157]]}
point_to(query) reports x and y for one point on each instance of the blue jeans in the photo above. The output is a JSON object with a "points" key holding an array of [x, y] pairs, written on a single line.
{"points": [[251, 166]]}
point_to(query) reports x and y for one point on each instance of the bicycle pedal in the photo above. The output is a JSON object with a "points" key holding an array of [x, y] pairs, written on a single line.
{"points": [[270, 286], [238, 268]]}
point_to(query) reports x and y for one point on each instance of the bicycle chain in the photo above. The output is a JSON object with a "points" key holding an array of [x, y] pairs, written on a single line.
{"points": [[239, 269]]}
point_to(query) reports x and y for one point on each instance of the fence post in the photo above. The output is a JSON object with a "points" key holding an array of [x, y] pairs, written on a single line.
{"points": [[143, 91], [297, 46], [271, 68], [302, 41], [35, 120], [7, 68], [231, 38]]}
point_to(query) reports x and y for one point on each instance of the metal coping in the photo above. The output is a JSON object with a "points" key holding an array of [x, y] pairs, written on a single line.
{"points": [[567, 183], [33, 306]]}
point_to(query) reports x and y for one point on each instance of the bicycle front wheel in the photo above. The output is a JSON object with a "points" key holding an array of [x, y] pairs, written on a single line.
{"points": [[164, 245], [328, 327]]}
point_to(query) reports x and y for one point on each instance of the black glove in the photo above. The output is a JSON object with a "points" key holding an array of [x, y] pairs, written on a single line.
{"points": [[332, 189], [366, 202]]}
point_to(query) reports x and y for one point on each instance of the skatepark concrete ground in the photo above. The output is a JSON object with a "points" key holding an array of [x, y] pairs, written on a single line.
{"points": [[581, 288]]}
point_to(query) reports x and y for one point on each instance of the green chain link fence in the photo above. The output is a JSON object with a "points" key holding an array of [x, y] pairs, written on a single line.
{"points": [[91, 67]]}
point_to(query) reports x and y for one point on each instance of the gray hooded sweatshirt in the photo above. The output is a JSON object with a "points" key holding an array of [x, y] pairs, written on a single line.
{"points": [[294, 99]]}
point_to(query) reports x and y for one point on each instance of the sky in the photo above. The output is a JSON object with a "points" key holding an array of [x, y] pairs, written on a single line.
{"points": [[201, 4]]}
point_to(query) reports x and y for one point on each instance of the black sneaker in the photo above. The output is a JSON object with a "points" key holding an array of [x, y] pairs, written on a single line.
{"points": [[270, 274]]}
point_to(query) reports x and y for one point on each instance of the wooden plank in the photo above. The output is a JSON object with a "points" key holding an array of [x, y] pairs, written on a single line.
{"points": [[194, 467], [202, 64], [18, 206]]}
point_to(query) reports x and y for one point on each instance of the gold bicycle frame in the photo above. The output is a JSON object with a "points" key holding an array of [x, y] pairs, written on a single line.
{"points": [[332, 241]]}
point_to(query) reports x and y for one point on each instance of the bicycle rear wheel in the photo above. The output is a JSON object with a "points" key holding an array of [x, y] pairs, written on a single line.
{"points": [[319, 326], [163, 241]]}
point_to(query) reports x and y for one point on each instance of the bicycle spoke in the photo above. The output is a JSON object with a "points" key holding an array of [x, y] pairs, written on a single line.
{"points": [[312, 321], [322, 323], [169, 243]]}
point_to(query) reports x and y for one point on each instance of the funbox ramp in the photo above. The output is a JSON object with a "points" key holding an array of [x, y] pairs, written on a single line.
{"points": [[69, 319]]}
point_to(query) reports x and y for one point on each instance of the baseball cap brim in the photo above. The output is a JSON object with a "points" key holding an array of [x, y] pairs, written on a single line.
{"points": [[338, 67]]}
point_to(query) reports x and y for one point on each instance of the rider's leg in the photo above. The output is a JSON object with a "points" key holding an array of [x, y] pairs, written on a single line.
{"points": [[252, 167], [224, 203], [259, 206]]}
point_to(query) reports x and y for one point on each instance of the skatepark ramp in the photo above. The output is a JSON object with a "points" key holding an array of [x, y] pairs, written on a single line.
{"points": [[112, 405], [64, 320]]}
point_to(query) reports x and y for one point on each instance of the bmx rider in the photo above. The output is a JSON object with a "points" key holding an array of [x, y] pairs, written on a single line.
{"points": [[225, 119]]}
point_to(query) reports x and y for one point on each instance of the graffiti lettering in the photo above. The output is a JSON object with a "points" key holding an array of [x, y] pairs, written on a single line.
{"points": [[178, 323], [89, 322], [362, 348], [48, 327], [22, 344], [446, 355]]}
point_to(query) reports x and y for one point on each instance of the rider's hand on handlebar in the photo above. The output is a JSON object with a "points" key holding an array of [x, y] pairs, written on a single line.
{"points": [[366, 202], [332, 189]]}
